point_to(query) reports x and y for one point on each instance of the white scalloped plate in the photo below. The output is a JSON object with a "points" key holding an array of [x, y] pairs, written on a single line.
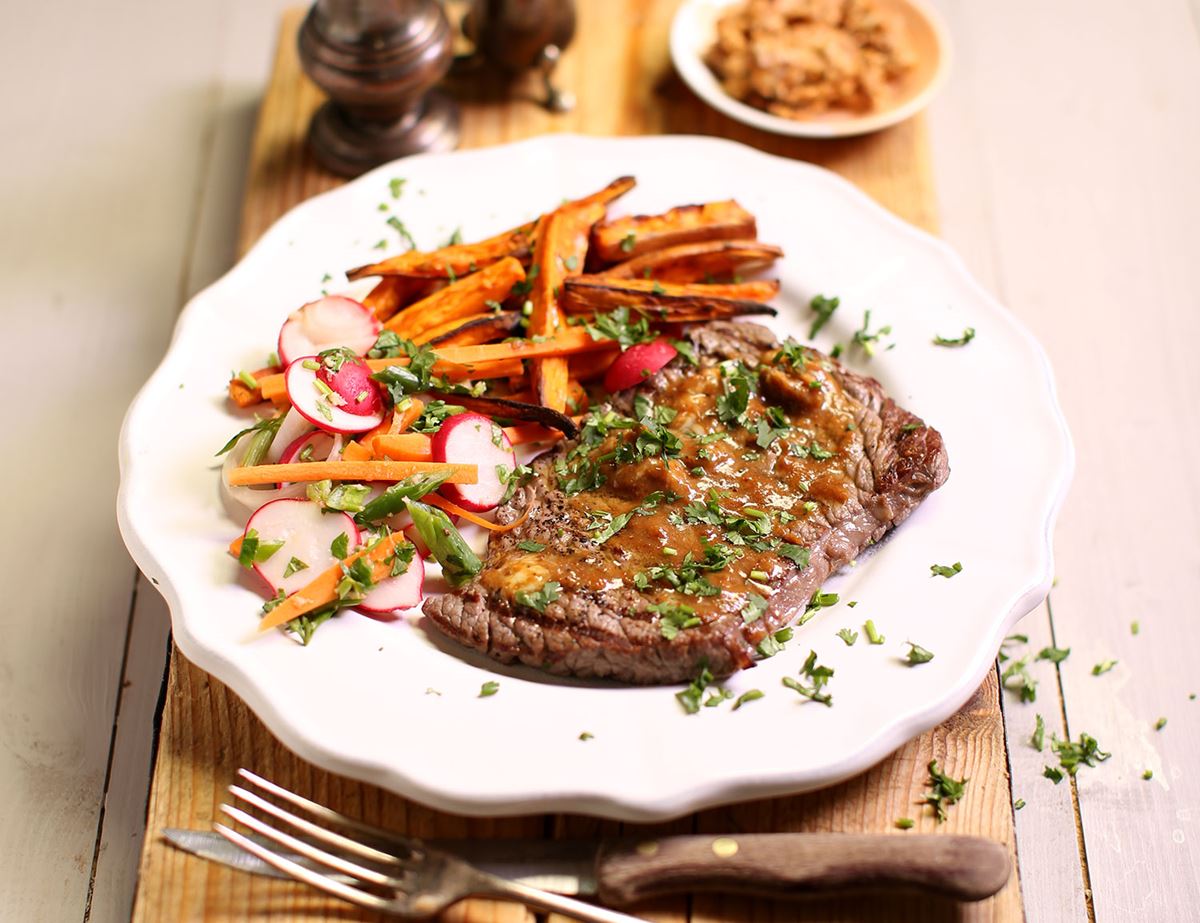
{"points": [[356, 701]]}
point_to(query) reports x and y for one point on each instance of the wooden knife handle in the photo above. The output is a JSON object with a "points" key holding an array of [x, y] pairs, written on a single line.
{"points": [[794, 864]]}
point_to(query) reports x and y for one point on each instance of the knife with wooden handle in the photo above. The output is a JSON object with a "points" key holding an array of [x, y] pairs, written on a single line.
{"points": [[778, 865]]}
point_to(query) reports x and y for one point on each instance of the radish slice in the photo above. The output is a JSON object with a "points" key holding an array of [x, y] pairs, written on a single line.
{"points": [[321, 444], [392, 594], [475, 439], [251, 498], [352, 383], [326, 323], [307, 534], [638, 363], [292, 428], [311, 401]]}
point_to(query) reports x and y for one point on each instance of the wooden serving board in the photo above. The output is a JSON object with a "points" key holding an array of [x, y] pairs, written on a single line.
{"points": [[620, 71]]}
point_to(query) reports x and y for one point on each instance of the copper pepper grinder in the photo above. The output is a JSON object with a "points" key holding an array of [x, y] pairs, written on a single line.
{"points": [[378, 61]]}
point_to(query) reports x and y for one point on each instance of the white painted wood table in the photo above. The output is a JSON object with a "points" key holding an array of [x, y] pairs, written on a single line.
{"points": [[1067, 157]]}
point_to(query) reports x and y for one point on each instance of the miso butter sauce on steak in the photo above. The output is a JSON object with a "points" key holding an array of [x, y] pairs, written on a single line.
{"points": [[695, 515]]}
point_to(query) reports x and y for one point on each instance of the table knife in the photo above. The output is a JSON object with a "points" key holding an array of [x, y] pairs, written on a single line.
{"points": [[623, 871]]}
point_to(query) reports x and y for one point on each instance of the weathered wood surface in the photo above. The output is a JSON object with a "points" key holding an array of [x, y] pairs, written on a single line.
{"points": [[207, 732]]}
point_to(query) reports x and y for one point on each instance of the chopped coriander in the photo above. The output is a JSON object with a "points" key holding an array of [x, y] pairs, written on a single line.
{"points": [[264, 434], [381, 245], [943, 791], [848, 636], [1017, 639], [773, 644], [748, 696], [904, 823], [529, 545], [294, 566], [1072, 754], [1160, 724], [398, 226], [382, 207], [753, 610], [396, 186], [454, 239], [628, 242], [1135, 627], [1039, 735], [817, 675], [1148, 775], [1018, 804], [822, 307], [941, 570], [690, 697], [586, 735], [491, 687], [571, 263], [1053, 773], [1103, 667], [716, 698], [1016, 678], [968, 335], [1054, 654], [909, 427], [867, 340], [539, 599], [255, 551], [873, 635], [340, 546], [917, 654]]}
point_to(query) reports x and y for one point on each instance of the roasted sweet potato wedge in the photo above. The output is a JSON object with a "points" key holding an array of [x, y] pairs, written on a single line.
{"points": [[703, 261], [479, 328], [393, 293], [667, 301], [625, 238], [459, 300], [456, 260]]}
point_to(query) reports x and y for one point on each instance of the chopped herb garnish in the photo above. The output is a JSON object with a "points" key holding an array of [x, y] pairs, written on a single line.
{"points": [[822, 307], [398, 225], [627, 242], [491, 687], [1039, 734], [968, 335], [943, 791], [1016, 678], [1053, 773], [586, 735], [904, 823], [740, 383], [294, 566], [396, 186], [1135, 627], [254, 550], [690, 697], [673, 617], [867, 340], [1160, 724], [1054, 654], [1103, 667], [1148, 775], [340, 546], [755, 607], [817, 676], [773, 644], [848, 636], [941, 570], [873, 635], [1018, 804], [1072, 755], [539, 599], [917, 654], [529, 545], [619, 325], [748, 696], [264, 431]]}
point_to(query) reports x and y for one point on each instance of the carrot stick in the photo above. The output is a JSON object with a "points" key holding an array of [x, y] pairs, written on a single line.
{"points": [[356, 452], [384, 427], [409, 415], [322, 590], [351, 471], [245, 396], [469, 295], [404, 447], [444, 504]]}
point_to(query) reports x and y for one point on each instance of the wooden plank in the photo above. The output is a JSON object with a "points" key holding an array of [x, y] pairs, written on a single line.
{"points": [[1087, 178], [207, 732]]}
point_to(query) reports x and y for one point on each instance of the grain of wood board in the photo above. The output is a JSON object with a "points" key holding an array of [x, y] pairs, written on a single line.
{"points": [[623, 80]]}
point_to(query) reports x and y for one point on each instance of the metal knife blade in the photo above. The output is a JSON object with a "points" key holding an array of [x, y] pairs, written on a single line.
{"points": [[562, 866]]}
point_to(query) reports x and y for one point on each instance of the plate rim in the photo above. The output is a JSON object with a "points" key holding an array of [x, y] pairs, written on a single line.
{"points": [[636, 807], [687, 63]]}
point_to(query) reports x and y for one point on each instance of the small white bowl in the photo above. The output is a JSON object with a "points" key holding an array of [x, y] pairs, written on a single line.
{"points": [[694, 29]]}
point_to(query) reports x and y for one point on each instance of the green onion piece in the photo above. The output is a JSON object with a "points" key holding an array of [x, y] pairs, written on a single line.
{"points": [[459, 562], [491, 687], [873, 634]]}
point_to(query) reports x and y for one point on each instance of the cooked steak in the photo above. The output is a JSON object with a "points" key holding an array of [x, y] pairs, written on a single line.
{"points": [[696, 515]]}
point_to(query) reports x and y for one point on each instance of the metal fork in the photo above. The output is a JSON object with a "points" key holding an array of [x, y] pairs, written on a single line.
{"points": [[376, 868]]}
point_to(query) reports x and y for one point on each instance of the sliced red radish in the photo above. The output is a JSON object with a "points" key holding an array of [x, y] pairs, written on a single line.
{"points": [[307, 534], [326, 323], [477, 440], [292, 428], [638, 363], [352, 383], [318, 403], [314, 446], [392, 594]]}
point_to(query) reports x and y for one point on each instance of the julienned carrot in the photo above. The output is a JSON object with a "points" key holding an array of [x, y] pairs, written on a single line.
{"points": [[444, 504], [409, 415], [322, 590], [356, 452], [351, 471], [403, 447], [389, 420], [531, 432]]}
